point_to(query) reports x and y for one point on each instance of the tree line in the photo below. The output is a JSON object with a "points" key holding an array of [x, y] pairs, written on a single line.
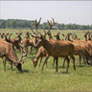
{"points": [[17, 23]]}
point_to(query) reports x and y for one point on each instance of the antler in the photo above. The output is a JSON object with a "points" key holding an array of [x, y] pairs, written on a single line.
{"points": [[50, 23], [36, 23], [10, 36]]}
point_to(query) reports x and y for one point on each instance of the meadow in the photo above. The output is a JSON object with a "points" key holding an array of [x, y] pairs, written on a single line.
{"points": [[35, 80]]}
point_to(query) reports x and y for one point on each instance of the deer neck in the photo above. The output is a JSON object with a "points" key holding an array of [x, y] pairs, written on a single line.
{"points": [[46, 44], [19, 38]]}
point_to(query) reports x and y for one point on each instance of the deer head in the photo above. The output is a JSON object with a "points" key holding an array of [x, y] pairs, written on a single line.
{"points": [[85, 35], [57, 36], [18, 36], [27, 35]]}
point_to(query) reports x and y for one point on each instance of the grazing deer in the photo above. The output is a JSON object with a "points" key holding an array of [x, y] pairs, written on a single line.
{"points": [[7, 52]]}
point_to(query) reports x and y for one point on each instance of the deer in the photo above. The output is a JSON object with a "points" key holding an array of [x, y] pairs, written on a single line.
{"points": [[7, 52], [79, 49], [84, 43], [42, 51], [26, 42], [15, 41], [56, 48]]}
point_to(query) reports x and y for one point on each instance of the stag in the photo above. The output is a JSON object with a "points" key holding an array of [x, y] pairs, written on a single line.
{"points": [[26, 42], [42, 51], [57, 48]]}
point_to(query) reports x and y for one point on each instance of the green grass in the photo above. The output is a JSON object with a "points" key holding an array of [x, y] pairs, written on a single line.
{"points": [[35, 80]]}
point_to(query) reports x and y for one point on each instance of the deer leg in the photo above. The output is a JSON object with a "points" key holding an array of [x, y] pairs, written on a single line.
{"points": [[73, 61], [44, 62], [67, 63], [47, 62], [40, 61], [19, 67], [11, 66], [63, 63], [31, 49], [84, 60], [79, 60], [53, 61], [4, 62], [56, 64], [87, 61]]}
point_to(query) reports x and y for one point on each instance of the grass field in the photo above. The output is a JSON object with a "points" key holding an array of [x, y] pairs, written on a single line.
{"points": [[35, 80]]}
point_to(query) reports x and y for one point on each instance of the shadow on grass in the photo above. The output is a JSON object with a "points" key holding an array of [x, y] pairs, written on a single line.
{"points": [[83, 66], [61, 72], [26, 71]]}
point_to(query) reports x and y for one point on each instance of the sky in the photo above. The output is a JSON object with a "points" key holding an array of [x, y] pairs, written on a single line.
{"points": [[79, 12]]}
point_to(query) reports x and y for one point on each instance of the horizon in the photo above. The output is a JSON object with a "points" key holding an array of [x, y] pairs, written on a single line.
{"points": [[46, 21], [66, 12]]}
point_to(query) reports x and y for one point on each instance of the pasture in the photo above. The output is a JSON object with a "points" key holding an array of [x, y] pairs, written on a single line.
{"points": [[35, 80]]}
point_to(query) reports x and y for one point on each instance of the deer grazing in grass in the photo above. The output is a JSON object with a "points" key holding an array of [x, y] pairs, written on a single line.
{"points": [[7, 52]]}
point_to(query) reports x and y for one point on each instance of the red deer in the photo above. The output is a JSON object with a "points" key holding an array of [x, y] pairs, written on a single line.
{"points": [[27, 41], [57, 48], [42, 51], [16, 41], [7, 52]]}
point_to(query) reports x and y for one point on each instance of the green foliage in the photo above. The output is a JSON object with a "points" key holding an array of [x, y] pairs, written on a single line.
{"points": [[15, 23]]}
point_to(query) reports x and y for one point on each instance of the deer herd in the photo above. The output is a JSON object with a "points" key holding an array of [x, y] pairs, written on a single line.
{"points": [[66, 48]]}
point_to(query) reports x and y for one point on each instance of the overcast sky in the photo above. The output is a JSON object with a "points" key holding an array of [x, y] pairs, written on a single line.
{"points": [[79, 12]]}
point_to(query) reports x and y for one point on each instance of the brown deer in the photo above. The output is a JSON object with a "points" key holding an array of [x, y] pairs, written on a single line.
{"points": [[42, 51], [26, 42], [57, 48], [84, 43], [7, 52], [80, 51], [14, 41]]}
